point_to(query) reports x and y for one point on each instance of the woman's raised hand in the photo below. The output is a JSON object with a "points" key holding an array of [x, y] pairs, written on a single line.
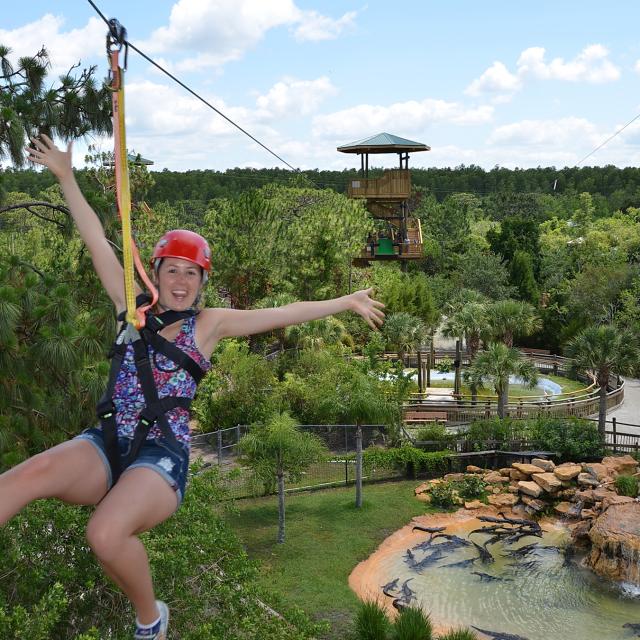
{"points": [[368, 308], [43, 151]]}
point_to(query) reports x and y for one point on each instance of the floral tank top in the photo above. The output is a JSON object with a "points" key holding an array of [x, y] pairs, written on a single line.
{"points": [[170, 380]]}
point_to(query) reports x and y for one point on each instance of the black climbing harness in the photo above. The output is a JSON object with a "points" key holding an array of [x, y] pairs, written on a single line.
{"points": [[155, 409]]}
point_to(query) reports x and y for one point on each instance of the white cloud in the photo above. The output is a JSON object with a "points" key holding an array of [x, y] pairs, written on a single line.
{"points": [[65, 48], [590, 65], [295, 97], [496, 79], [569, 132], [214, 32], [414, 116], [314, 26]]}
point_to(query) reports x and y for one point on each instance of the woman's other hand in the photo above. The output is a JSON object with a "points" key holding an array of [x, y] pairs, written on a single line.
{"points": [[369, 309]]}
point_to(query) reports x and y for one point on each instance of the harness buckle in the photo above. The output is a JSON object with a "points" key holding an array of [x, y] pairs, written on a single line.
{"points": [[147, 417], [105, 410]]}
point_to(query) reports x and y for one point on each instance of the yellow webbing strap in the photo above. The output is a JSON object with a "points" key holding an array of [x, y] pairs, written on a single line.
{"points": [[123, 192]]}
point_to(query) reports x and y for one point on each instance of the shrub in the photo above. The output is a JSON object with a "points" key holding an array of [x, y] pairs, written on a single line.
{"points": [[459, 634], [407, 458], [445, 365], [371, 622], [197, 562], [570, 438], [498, 432], [627, 486], [471, 487], [412, 624], [436, 433], [443, 495]]}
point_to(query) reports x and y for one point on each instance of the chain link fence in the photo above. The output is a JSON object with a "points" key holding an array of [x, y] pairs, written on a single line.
{"points": [[339, 469]]}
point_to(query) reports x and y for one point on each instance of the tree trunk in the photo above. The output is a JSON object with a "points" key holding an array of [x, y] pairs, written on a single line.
{"points": [[280, 508], [602, 413], [503, 396]]}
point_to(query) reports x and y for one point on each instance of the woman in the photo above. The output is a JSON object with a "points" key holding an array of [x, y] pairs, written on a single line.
{"points": [[149, 489]]}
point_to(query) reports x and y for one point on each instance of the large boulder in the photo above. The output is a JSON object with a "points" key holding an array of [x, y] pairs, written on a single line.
{"points": [[620, 465], [567, 471], [547, 481], [545, 465], [503, 500], [615, 543], [598, 471], [527, 469], [587, 480], [518, 475], [530, 488]]}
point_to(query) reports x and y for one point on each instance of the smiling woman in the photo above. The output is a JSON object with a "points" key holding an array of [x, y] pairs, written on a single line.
{"points": [[133, 466]]}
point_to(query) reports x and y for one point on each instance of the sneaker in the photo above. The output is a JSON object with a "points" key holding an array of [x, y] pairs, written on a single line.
{"points": [[159, 630], [164, 620]]}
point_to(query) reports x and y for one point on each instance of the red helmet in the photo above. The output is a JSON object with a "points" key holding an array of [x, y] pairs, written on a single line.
{"points": [[184, 244]]}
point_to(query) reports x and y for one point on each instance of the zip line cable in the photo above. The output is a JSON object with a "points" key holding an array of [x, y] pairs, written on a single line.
{"points": [[192, 92], [620, 130]]}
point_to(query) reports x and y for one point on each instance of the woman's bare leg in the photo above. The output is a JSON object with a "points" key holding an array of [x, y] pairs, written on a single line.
{"points": [[72, 471], [139, 501]]}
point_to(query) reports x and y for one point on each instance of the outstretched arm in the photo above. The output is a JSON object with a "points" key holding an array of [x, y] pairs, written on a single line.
{"points": [[227, 323], [43, 151]]}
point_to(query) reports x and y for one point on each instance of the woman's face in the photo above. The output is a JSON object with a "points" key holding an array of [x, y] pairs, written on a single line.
{"points": [[179, 283]]}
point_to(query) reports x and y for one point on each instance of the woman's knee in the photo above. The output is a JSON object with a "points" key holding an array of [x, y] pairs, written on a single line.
{"points": [[36, 474], [105, 538]]}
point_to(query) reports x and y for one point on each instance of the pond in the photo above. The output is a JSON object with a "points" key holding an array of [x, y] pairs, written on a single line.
{"points": [[544, 384], [536, 594]]}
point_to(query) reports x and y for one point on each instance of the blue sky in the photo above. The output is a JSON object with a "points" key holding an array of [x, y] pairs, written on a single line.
{"points": [[515, 84]]}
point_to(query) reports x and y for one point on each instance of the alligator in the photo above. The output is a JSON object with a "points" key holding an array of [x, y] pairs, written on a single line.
{"points": [[432, 558], [428, 529], [485, 577], [461, 563], [485, 556], [521, 551], [389, 587], [453, 538], [633, 626], [497, 635], [407, 591]]}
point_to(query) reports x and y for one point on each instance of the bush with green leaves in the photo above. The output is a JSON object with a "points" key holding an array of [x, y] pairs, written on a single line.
{"points": [[444, 366], [444, 494], [627, 486], [471, 487], [407, 458], [570, 438], [494, 433], [197, 562], [436, 433]]}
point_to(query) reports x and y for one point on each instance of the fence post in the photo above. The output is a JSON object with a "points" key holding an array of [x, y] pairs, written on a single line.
{"points": [[420, 380], [237, 433], [456, 380], [346, 453], [358, 467], [615, 435], [219, 447]]}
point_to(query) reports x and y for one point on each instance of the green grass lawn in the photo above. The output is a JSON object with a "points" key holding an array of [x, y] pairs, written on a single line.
{"points": [[326, 537]]}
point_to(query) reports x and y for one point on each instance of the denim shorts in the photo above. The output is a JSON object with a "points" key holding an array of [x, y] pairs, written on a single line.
{"points": [[154, 454]]}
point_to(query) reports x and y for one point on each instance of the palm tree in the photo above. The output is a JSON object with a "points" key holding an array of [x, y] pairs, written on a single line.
{"points": [[510, 318], [495, 365], [403, 332], [278, 449], [601, 351], [317, 334], [468, 324]]}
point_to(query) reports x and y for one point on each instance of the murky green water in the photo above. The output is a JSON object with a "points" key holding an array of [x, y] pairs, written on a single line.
{"points": [[539, 596]]}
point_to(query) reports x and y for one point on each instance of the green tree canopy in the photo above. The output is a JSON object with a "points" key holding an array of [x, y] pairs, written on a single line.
{"points": [[74, 107]]}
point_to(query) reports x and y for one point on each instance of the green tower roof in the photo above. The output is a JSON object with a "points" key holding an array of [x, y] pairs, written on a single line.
{"points": [[383, 143]]}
